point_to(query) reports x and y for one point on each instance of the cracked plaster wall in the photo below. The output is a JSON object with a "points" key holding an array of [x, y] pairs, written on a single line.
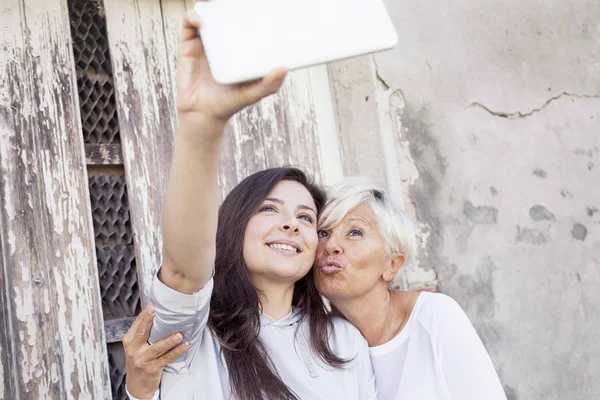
{"points": [[493, 112]]}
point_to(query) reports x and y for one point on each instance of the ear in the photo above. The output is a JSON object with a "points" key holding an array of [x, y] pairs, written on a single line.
{"points": [[393, 266]]}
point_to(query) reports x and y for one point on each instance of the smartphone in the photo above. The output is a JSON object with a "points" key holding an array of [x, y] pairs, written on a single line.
{"points": [[247, 39]]}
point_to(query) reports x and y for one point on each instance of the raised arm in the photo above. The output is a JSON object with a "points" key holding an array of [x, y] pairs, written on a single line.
{"points": [[190, 209], [190, 216]]}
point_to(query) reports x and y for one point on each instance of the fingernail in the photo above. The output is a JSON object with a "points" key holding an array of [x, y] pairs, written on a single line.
{"points": [[151, 309], [177, 337], [186, 344]]}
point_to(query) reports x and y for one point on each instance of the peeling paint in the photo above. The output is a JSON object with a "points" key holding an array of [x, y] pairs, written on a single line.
{"points": [[2, 357], [579, 231], [43, 171], [142, 55], [423, 191], [406, 165], [540, 213], [565, 193], [475, 292], [511, 394], [330, 158], [532, 236], [586, 152], [480, 214], [396, 156]]}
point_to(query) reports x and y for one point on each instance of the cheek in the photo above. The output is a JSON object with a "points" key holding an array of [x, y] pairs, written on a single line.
{"points": [[250, 247], [257, 230], [319, 252], [249, 256], [311, 241], [366, 268]]}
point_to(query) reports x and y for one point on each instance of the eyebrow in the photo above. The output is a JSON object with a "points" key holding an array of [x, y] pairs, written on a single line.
{"points": [[301, 206], [362, 220]]}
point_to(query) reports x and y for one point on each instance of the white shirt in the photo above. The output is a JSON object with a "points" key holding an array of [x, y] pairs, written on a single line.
{"points": [[436, 356], [201, 373]]}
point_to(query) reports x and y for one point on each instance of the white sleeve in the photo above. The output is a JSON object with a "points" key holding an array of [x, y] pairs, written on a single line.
{"points": [[156, 395], [179, 312], [467, 367]]}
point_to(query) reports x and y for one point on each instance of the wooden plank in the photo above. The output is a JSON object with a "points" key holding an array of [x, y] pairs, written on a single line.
{"points": [[172, 16], [355, 96], [53, 346], [7, 350], [116, 328], [330, 157], [97, 155], [145, 102], [173, 11], [282, 130]]}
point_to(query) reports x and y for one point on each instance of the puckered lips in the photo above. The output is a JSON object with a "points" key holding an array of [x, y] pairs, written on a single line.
{"points": [[329, 266], [285, 247]]}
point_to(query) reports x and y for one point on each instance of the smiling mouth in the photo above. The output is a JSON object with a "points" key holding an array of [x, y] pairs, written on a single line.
{"points": [[284, 247]]}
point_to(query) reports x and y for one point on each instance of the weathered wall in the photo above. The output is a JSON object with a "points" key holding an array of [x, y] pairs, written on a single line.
{"points": [[484, 122], [494, 109], [51, 336]]}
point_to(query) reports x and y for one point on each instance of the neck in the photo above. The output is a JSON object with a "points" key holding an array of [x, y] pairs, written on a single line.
{"points": [[275, 298], [373, 314]]}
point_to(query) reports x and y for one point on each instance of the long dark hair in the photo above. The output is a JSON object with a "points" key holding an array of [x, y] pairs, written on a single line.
{"points": [[235, 305]]}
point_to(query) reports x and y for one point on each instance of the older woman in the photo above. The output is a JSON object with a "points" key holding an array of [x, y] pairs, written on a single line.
{"points": [[422, 345]]}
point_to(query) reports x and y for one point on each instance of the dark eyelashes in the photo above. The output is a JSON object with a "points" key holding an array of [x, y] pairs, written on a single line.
{"points": [[308, 218], [351, 232], [268, 207]]}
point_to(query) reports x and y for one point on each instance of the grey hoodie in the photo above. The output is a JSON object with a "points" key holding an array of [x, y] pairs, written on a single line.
{"points": [[201, 372]]}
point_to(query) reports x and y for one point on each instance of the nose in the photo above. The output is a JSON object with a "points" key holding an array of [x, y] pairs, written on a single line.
{"points": [[290, 225], [332, 245]]}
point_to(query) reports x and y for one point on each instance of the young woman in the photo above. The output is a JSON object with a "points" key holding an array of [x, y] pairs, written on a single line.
{"points": [[255, 327]]}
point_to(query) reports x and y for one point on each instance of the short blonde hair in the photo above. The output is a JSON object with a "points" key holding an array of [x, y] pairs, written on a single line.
{"points": [[396, 227]]}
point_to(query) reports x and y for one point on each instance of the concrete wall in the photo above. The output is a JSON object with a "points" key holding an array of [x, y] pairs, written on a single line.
{"points": [[485, 120]]}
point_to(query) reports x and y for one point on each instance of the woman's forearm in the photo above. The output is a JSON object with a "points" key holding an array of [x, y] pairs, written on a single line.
{"points": [[190, 208]]}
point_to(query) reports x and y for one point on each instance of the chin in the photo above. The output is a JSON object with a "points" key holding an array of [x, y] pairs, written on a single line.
{"points": [[328, 286], [287, 273]]}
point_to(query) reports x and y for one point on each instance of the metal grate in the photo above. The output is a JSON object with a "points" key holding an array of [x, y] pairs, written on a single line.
{"points": [[108, 194], [116, 362], [118, 282], [94, 72], [114, 246], [110, 210]]}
